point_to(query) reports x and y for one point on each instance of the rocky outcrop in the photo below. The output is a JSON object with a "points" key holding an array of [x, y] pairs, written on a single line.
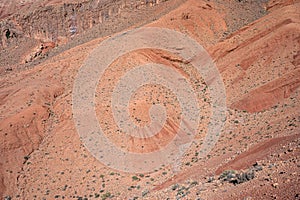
{"points": [[51, 22]]}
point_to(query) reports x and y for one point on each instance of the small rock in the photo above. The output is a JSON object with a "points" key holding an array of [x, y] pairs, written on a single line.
{"points": [[272, 165], [144, 193], [275, 185], [274, 196], [257, 167], [243, 177], [267, 179], [250, 175], [290, 150], [174, 187], [210, 179]]}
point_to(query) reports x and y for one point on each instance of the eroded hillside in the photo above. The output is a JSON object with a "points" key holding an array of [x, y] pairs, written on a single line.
{"points": [[255, 46]]}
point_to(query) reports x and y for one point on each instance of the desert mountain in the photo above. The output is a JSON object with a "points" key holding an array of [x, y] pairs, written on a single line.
{"points": [[255, 46]]}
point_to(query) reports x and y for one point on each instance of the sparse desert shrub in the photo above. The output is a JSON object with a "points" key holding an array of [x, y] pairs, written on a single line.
{"points": [[106, 195], [185, 16], [226, 174]]}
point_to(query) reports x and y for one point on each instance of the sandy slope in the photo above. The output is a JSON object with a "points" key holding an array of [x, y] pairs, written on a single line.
{"points": [[43, 157]]}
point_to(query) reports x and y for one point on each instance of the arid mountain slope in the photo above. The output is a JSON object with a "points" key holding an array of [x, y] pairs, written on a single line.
{"points": [[268, 48], [44, 158]]}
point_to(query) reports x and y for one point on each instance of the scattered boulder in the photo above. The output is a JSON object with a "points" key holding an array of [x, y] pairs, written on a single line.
{"points": [[144, 193], [257, 167], [210, 179], [235, 177], [228, 175]]}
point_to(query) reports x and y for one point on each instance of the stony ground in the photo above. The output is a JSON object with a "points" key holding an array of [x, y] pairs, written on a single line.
{"points": [[255, 46]]}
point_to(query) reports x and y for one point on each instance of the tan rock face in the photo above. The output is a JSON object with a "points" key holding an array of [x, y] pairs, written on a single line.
{"points": [[43, 157], [65, 22], [49, 20]]}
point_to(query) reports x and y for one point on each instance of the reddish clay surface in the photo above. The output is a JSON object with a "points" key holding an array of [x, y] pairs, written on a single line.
{"points": [[256, 48]]}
